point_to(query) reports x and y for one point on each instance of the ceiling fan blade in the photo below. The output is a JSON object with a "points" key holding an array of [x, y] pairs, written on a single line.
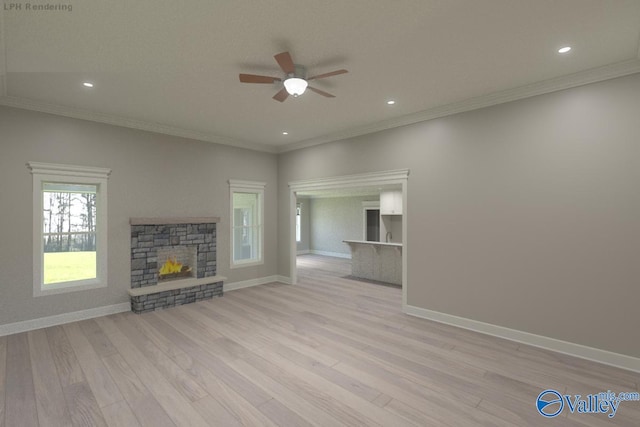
{"points": [[282, 95], [285, 62], [320, 92], [332, 73], [252, 78]]}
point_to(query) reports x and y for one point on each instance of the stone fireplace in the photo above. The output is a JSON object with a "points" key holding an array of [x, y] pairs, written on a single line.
{"points": [[173, 262]]}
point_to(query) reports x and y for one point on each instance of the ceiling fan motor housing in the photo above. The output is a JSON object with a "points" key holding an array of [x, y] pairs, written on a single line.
{"points": [[300, 72]]}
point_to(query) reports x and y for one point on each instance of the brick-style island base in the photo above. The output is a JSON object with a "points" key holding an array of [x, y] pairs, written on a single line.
{"points": [[168, 238]]}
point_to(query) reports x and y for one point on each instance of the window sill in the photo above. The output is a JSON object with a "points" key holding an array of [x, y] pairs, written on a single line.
{"points": [[63, 288], [246, 264]]}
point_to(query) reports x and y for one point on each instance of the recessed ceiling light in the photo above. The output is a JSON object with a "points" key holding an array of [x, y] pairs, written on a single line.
{"points": [[285, 133], [391, 102], [564, 49], [87, 84]]}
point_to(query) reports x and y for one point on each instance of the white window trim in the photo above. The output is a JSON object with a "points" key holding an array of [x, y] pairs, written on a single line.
{"points": [[298, 226], [256, 187], [47, 172]]}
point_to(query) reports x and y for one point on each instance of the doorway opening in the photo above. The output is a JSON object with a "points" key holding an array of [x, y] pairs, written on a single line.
{"points": [[372, 224], [369, 187]]}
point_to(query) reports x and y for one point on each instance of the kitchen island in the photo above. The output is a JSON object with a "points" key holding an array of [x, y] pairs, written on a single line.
{"points": [[378, 261]]}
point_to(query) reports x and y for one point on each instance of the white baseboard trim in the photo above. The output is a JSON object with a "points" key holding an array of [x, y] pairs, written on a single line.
{"points": [[227, 287], [578, 350], [60, 319], [284, 279], [333, 254], [303, 252]]}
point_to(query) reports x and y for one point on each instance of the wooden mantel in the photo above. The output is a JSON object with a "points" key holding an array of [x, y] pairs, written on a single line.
{"points": [[175, 220]]}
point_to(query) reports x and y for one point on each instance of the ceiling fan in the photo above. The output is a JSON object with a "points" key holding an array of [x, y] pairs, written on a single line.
{"points": [[295, 81]]}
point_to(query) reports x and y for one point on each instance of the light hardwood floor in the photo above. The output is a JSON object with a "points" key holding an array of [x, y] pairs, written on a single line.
{"points": [[328, 352]]}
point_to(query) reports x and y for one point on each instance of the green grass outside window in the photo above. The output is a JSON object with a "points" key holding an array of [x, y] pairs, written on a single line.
{"points": [[69, 266]]}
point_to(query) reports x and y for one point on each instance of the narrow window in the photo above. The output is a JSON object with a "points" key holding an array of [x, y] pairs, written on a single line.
{"points": [[298, 222], [247, 216]]}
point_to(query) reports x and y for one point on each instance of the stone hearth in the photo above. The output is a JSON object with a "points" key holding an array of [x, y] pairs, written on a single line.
{"points": [[150, 235]]}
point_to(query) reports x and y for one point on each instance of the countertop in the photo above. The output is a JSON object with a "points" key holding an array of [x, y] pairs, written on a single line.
{"points": [[362, 242]]}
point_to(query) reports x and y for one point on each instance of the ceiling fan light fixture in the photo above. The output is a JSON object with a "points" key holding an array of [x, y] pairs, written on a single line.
{"points": [[295, 81], [295, 86]]}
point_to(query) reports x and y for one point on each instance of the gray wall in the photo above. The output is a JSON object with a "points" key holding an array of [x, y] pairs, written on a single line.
{"points": [[305, 233], [334, 220], [146, 168], [524, 215]]}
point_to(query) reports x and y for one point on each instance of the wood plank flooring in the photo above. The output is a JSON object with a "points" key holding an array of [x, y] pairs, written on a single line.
{"points": [[330, 351]]}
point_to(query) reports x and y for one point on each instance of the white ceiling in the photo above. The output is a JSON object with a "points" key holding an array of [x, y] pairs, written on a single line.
{"points": [[173, 66]]}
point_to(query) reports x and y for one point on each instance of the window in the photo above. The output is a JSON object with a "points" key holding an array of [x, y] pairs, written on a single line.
{"points": [[69, 228], [247, 215], [298, 222]]}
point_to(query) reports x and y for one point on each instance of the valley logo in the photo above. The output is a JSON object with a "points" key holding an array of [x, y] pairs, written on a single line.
{"points": [[551, 403]]}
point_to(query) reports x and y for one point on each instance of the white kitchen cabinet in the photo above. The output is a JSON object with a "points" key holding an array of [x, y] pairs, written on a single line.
{"points": [[391, 203]]}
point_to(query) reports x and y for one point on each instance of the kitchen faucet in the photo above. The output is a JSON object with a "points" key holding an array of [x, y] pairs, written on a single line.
{"points": [[388, 237]]}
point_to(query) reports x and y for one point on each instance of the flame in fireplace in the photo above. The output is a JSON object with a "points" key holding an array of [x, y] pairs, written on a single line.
{"points": [[171, 266]]}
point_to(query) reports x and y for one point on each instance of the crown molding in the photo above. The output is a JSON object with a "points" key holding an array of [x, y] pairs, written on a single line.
{"points": [[76, 113], [581, 78], [594, 75]]}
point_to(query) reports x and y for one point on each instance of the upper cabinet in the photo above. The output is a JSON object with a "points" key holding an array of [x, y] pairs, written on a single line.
{"points": [[391, 203]]}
